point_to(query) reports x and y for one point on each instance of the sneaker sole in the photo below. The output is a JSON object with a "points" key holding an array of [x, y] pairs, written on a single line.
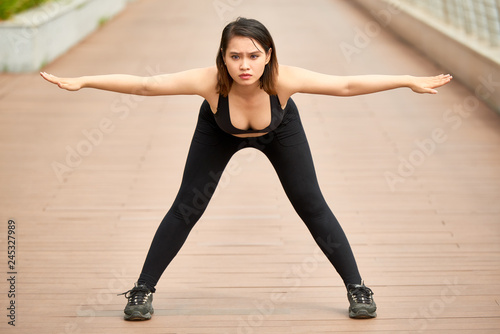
{"points": [[137, 316], [362, 314]]}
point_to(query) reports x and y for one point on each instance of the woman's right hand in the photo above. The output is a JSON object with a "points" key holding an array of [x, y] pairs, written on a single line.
{"points": [[71, 84]]}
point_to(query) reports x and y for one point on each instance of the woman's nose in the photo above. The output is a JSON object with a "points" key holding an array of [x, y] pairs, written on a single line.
{"points": [[244, 64]]}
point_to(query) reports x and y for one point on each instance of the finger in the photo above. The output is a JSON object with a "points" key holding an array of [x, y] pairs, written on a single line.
{"points": [[440, 81], [429, 91], [444, 81], [44, 75], [48, 77], [447, 78]]}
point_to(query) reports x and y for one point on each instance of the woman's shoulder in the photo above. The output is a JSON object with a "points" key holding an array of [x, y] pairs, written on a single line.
{"points": [[287, 73], [208, 79], [288, 79], [207, 74]]}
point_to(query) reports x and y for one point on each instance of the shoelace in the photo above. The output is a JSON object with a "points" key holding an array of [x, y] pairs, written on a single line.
{"points": [[361, 294], [137, 295]]}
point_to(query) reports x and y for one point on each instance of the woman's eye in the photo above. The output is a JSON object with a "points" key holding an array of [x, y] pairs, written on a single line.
{"points": [[254, 56], [235, 57]]}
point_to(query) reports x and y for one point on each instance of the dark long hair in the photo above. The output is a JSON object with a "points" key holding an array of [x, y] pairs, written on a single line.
{"points": [[256, 31]]}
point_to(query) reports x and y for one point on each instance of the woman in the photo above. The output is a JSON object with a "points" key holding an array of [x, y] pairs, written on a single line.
{"points": [[248, 104]]}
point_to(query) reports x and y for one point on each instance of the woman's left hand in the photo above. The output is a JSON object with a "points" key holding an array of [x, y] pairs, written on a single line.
{"points": [[428, 84]]}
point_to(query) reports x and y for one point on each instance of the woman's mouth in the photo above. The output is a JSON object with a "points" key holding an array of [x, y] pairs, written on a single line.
{"points": [[245, 76]]}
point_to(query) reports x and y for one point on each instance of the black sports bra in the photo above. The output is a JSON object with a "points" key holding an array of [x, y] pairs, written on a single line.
{"points": [[223, 119]]}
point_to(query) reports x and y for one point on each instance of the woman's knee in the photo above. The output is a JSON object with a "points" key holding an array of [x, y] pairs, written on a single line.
{"points": [[311, 206], [191, 203]]}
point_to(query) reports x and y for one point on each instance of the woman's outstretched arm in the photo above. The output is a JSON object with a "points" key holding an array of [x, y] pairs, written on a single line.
{"points": [[191, 82], [303, 81]]}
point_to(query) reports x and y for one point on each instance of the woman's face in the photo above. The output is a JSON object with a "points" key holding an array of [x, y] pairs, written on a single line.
{"points": [[246, 60]]}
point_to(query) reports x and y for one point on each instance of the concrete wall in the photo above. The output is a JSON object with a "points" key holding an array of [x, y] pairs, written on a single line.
{"points": [[474, 64], [36, 37]]}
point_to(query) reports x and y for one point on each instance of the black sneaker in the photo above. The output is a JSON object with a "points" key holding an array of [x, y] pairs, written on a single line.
{"points": [[362, 305], [139, 306]]}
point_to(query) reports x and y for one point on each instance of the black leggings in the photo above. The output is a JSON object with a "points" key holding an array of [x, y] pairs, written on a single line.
{"points": [[211, 149]]}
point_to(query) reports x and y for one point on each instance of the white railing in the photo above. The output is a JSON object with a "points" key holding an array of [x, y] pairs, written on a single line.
{"points": [[478, 18]]}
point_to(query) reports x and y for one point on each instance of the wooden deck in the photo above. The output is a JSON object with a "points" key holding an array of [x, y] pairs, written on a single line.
{"points": [[414, 180]]}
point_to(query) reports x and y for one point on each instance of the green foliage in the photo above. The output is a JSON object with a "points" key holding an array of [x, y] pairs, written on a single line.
{"points": [[11, 7], [103, 20]]}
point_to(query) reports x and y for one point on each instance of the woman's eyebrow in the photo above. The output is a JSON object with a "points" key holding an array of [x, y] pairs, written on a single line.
{"points": [[237, 53]]}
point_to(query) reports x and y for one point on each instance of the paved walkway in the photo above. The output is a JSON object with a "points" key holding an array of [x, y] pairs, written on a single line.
{"points": [[87, 176]]}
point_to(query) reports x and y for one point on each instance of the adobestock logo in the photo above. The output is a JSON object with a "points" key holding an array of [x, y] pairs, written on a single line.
{"points": [[119, 110], [453, 119], [224, 6], [364, 36]]}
